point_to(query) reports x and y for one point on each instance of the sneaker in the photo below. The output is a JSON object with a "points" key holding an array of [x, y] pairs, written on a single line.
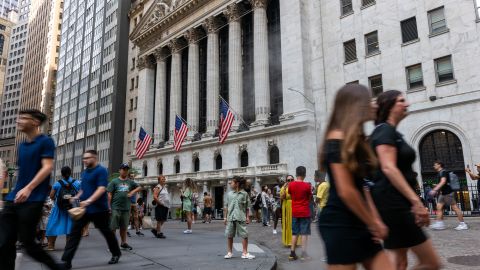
{"points": [[248, 256], [154, 232], [114, 260], [129, 227], [274, 231], [462, 226], [438, 225], [140, 234], [292, 257], [187, 231], [160, 235], [126, 246], [228, 256]]}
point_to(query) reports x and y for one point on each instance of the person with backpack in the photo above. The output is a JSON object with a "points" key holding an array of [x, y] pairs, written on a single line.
{"points": [[60, 222], [447, 186]]}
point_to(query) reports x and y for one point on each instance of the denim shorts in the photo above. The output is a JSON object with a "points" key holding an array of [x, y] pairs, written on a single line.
{"points": [[301, 226]]}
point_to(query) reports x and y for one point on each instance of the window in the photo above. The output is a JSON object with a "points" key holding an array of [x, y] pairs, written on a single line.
{"points": [[371, 43], [196, 165], [444, 69], [376, 84], [132, 83], [477, 8], [131, 104], [244, 159], [354, 82], [177, 166], [133, 63], [409, 30], [350, 50], [130, 125], [218, 162], [274, 155], [438, 24], [346, 6], [368, 2], [414, 76]]}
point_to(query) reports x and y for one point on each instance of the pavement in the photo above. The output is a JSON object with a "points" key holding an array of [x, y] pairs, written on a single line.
{"points": [[205, 248]]}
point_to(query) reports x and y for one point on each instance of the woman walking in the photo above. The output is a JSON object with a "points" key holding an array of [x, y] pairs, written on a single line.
{"points": [[60, 222], [189, 189], [349, 225], [400, 207], [286, 201]]}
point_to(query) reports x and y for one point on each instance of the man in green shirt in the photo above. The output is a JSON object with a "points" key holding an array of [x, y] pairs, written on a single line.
{"points": [[120, 190]]}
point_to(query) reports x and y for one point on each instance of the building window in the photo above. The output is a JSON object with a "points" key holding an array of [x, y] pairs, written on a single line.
{"points": [[132, 83], [159, 168], [244, 159], [145, 169], [409, 29], [368, 3], [376, 84], [444, 69], [350, 50], [177, 166], [438, 24], [133, 63], [131, 104], [477, 8], [196, 165], [371, 42], [136, 82], [354, 82], [414, 76], [347, 7], [274, 155], [218, 162], [130, 123]]}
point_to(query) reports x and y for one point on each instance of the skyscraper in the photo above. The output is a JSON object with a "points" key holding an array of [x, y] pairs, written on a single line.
{"points": [[90, 96], [8, 5]]}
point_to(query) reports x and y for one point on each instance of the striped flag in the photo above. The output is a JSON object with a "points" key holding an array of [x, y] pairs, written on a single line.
{"points": [[143, 143], [226, 120], [181, 130]]}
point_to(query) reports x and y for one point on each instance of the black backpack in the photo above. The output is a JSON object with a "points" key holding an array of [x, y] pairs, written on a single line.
{"points": [[258, 201], [65, 193]]}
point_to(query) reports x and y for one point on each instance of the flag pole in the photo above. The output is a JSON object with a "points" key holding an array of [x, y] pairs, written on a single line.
{"points": [[236, 114], [190, 127]]}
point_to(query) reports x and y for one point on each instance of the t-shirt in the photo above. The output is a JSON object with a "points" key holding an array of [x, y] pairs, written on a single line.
{"points": [[163, 195], [30, 155], [385, 195], [237, 204], [322, 194], [301, 194], [336, 213], [446, 189], [92, 178], [119, 189]]}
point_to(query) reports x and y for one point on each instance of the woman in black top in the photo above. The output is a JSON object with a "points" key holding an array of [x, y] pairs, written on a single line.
{"points": [[400, 207], [350, 226]]}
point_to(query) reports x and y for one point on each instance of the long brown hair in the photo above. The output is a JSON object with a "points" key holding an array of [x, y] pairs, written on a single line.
{"points": [[190, 184], [386, 101], [350, 111]]}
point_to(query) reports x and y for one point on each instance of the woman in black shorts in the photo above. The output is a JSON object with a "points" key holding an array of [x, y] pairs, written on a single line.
{"points": [[400, 207], [349, 225]]}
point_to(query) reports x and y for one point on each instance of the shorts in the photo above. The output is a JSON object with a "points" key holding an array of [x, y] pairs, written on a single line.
{"points": [[161, 213], [119, 219], [448, 199], [301, 226], [238, 228], [207, 211]]}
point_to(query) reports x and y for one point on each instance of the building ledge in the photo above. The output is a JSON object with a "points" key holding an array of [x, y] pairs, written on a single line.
{"points": [[346, 14], [367, 6], [439, 33], [373, 54], [446, 83], [416, 89], [350, 62], [410, 42]]}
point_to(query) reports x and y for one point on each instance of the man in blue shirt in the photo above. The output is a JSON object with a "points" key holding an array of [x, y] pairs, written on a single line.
{"points": [[93, 197], [23, 207]]}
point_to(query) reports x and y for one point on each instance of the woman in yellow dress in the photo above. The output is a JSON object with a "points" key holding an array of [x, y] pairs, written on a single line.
{"points": [[286, 213]]}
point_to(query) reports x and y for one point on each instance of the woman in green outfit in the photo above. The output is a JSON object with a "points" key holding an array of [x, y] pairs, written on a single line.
{"points": [[188, 191]]}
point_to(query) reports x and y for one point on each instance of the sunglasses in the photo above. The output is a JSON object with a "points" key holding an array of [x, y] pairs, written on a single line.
{"points": [[289, 179]]}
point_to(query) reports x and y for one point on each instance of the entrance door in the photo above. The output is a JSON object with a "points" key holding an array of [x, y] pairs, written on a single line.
{"points": [[218, 202]]}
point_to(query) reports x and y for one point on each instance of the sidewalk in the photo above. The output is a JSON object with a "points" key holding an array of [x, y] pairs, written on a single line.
{"points": [[204, 249]]}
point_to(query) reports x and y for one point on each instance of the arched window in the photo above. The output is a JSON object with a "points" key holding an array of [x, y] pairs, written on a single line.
{"points": [[177, 166], [196, 165], [159, 167], [274, 155], [244, 159], [145, 169], [218, 162]]}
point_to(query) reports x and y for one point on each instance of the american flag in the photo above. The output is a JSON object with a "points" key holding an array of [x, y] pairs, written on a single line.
{"points": [[143, 143], [226, 120], [181, 130]]}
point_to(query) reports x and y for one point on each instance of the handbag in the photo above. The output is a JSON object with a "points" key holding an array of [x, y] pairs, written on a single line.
{"points": [[76, 213]]}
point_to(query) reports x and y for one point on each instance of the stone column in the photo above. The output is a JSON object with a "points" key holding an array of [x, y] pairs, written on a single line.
{"points": [[205, 186], [211, 25], [160, 97], [146, 88], [235, 79], [193, 82], [261, 65], [175, 84]]}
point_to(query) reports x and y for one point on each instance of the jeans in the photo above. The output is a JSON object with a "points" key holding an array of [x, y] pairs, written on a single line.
{"points": [[21, 220], [265, 218], [101, 221]]}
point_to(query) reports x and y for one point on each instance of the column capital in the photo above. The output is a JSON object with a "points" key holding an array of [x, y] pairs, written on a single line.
{"points": [[192, 35], [160, 54], [211, 25], [259, 3], [233, 12], [176, 45], [144, 62]]}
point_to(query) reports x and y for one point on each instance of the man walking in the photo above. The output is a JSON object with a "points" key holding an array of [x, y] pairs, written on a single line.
{"points": [[120, 191], [447, 197], [207, 207], [23, 207], [301, 193], [93, 197]]}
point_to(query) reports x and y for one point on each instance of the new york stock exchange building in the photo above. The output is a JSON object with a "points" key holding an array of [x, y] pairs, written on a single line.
{"points": [[278, 64]]}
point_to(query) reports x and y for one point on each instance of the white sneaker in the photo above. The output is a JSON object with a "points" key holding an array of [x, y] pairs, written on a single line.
{"points": [[187, 231], [274, 231], [129, 227], [228, 256], [248, 256], [462, 226], [438, 225]]}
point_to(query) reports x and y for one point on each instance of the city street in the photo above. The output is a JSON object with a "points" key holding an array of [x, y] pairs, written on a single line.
{"points": [[204, 249]]}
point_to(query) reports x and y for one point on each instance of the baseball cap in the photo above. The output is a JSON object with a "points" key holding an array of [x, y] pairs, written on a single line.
{"points": [[124, 166]]}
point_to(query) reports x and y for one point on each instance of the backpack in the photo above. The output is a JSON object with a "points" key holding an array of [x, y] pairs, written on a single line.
{"points": [[65, 192], [454, 181], [258, 201]]}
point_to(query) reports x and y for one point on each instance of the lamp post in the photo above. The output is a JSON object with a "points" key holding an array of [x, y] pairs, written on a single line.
{"points": [[314, 111]]}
